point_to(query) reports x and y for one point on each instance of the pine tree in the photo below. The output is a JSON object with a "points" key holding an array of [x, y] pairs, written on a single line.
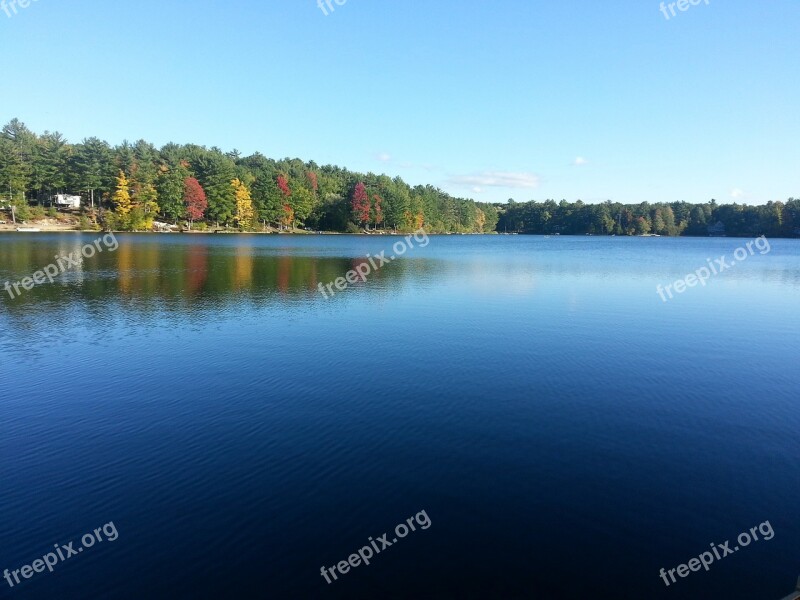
{"points": [[170, 187]]}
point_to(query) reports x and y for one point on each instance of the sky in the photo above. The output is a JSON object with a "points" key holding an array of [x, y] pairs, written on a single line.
{"points": [[491, 100]]}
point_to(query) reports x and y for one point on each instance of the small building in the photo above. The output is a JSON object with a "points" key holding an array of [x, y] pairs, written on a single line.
{"points": [[717, 230], [65, 201]]}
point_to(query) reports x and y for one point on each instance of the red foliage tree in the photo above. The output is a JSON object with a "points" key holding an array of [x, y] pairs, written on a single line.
{"points": [[288, 215], [377, 209], [312, 179], [360, 203], [194, 198], [283, 183]]}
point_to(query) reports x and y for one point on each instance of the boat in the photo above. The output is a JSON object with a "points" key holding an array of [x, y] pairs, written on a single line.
{"points": [[29, 229]]}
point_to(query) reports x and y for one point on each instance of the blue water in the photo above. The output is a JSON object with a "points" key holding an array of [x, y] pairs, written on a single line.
{"points": [[567, 433]]}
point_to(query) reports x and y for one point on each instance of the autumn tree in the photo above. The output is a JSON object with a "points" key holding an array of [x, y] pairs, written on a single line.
{"points": [[658, 223], [245, 214], [288, 216], [642, 226], [480, 220], [122, 201], [194, 198], [288, 212], [283, 184], [360, 204], [313, 181]]}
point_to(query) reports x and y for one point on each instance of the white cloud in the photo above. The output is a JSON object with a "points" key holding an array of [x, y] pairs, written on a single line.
{"points": [[737, 193], [504, 179], [383, 157], [477, 189], [579, 161]]}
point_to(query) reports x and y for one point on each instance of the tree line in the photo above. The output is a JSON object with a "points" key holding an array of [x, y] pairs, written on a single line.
{"points": [[774, 219], [132, 185]]}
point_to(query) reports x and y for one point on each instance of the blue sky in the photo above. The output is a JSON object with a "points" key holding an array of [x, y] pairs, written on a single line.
{"points": [[491, 100]]}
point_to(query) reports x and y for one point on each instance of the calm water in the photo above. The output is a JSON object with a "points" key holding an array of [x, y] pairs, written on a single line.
{"points": [[567, 432]]}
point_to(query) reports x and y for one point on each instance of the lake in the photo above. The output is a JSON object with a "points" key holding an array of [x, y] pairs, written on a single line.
{"points": [[565, 431]]}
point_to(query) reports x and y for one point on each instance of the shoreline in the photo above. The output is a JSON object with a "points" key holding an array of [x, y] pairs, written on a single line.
{"points": [[50, 227], [44, 229]]}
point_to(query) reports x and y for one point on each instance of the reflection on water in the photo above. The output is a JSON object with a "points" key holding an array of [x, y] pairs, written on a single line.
{"points": [[194, 270], [189, 277], [156, 280], [535, 396]]}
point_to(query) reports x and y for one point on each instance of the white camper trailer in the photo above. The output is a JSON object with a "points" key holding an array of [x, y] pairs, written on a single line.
{"points": [[65, 201]]}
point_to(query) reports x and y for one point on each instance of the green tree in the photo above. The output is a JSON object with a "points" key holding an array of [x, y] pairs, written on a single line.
{"points": [[50, 157], [90, 169], [215, 173], [14, 172], [170, 188], [302, 203]]}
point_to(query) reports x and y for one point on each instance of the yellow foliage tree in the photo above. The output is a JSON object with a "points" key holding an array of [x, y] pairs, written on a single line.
{"points": [[122, 196], [408, 220], [288, 216], [480, 220], [245, 214], [121, 215]]}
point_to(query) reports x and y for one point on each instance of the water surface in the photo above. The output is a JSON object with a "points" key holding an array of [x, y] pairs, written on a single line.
{"points": [[567, 432]]}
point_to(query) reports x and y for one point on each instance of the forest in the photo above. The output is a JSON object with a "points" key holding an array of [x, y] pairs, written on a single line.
{"points": [[774, 219], [129, 187], [132, 186]]}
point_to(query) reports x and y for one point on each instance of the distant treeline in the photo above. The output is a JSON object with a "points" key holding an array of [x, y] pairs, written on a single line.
{"points": [[130, 186], [775, 219], [133, 185]]}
